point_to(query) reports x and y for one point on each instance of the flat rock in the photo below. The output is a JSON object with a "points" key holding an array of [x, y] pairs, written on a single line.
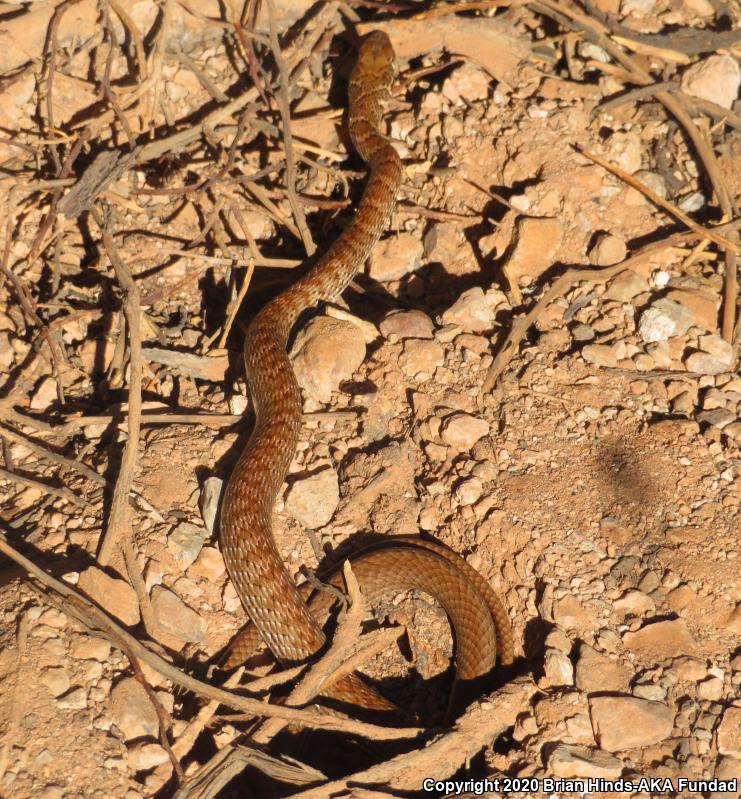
{"points": [[597, 672], [115, 596], [609, 250], [569, 761], [729, 732], [395, 257], [600, 355], [704, 307], [420, 357], [56, 679], [472, 312], [468, 82], [536, 242], [176, 618], [462, 430], [626, 722], [185, 543], [558, 668], [146, 756], [209, 564], [715, 78], [626, 285], [312, 500], [209, 502], [132, 710], [661, 640], [407, 324]]}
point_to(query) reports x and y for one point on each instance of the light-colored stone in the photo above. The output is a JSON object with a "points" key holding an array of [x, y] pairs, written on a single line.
{"points": [[720, 418], [115, 596], [626, 285], [718, 347], [634, 603], [466, 82], [710, 689], [75, 699], [624, 148], [702, 305], [185, 543], [570, 761], [209, 565], [44, 395], [626, 722], [609, 250], [132, 710], [312, 500], [664, 319], [689, 669], [209, 502], [468, 491], [446, 245], [90, 647], [56, 679], [146, 756], [558, 669], [407, 324], [729, 732], [421, 357], [395, 257], [176, 618], [663, 639], [472, 312], [326, 353], [600, 355], [462, 430], [716, 78], [536, 242], [597, 672]]}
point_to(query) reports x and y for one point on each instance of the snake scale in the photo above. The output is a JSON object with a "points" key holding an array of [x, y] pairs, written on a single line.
{"points": [[265, 588]]}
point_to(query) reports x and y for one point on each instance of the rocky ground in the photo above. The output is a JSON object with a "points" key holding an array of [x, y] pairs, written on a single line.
{"points": [[594, 479]]}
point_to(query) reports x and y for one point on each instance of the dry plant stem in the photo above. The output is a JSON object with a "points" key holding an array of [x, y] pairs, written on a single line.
{"points": [[64, 493], [119, 520], [233, 759], [51, 67], [136, 37], [568, 279], [670, 208], [236, 305], [178, 141], [285, 114], [187, 739], [95, 620], [477, 728]]}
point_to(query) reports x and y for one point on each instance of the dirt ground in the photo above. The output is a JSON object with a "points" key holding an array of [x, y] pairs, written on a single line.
{"points": [[585, 459]]}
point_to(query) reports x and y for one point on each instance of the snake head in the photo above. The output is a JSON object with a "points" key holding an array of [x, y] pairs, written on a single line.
{"points": [[375, 54]]}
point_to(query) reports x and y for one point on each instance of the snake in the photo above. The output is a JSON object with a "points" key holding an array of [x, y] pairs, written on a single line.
{"points": [[275, 606]]}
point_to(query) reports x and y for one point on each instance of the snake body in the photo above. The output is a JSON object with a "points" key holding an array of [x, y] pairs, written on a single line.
{"points": [[265, 588]]}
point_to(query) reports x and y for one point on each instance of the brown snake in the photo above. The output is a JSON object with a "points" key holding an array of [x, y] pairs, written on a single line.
{"points": [[263, 584]]}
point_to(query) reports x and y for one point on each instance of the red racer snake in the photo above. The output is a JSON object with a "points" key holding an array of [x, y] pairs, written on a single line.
{"points": [[264, 586]]}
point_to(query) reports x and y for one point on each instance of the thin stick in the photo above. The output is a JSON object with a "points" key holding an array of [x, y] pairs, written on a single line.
{"points": [[285, 114], [65, 493], [119, 520]]}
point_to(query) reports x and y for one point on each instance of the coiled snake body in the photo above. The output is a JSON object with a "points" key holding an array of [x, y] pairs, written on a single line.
{"points": [[263, 584]]}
